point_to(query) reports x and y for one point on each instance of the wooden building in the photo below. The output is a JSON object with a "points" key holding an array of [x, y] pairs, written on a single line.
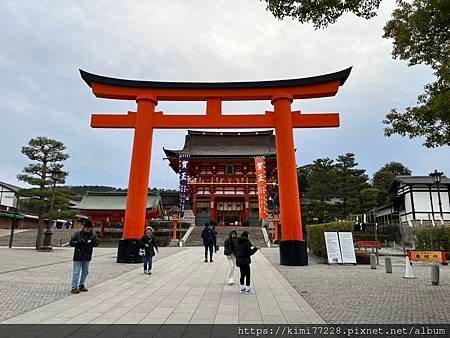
{"points": [[108, 208], [9, 212], [222, 180], [419, 198]]}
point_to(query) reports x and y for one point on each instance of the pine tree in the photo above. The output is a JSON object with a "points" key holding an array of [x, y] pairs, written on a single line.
{"points": [[350, 183], [47, 156], [321, 189]]}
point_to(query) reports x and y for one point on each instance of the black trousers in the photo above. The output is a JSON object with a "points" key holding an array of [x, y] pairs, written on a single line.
{"points": [[245, 274], [210, 248]]}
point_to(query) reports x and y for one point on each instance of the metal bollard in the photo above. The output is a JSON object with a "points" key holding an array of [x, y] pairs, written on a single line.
{"points": [[60, 241], [388, 264], [435, 274], [373, 261]]}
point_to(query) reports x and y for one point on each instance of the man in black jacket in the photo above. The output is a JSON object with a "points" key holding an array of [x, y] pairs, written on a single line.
{"points": [[208, 242], [83, 241], [243, 252]]}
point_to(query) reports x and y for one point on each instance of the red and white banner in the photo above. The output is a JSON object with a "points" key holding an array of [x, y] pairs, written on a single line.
{"points": [[260, 166]]}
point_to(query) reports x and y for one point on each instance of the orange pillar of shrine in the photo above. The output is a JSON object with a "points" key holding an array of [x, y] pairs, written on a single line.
{"points": [[136, 209], [292, 245]]}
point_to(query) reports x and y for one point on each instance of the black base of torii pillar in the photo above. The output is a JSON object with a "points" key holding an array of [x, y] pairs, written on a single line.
{"points": [[293, 253]]}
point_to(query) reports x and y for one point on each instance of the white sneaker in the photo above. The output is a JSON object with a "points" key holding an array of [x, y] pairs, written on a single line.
{"points": [[242, 289], [230, 282], [248, 290], [145, 271]]}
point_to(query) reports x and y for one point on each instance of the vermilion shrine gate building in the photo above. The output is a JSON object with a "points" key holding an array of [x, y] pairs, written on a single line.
{"points": [[222, 179]]}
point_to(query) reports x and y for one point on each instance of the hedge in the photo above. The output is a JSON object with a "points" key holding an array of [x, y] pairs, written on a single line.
{"points": [[316, 238], [437, 234]]}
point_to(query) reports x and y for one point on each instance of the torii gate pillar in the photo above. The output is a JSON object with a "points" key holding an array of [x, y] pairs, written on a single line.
{"points": [[136, 208], [292, 247]]}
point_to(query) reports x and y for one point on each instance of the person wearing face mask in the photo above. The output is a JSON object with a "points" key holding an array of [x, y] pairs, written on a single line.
{"points": [[83, 241], [230, 246]]}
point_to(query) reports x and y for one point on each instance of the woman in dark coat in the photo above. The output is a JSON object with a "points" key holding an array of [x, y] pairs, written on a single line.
{"points": [[243, 252], [148, 242]]}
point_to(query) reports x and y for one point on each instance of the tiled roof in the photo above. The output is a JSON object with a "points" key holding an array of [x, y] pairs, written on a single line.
{"points": [[10, 186], [223, 144], [111, 201], [420, 180]]}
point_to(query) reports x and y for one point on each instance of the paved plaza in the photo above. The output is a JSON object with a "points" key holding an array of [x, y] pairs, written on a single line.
{"points": [[357, 294], [34, 288], [30, 279], [182, 289]]}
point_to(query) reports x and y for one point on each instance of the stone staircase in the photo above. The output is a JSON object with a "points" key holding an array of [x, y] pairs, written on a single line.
{"points": [[189, 217], [255, 235]]}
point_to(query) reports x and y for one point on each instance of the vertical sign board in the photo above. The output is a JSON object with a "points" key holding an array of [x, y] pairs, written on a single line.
{"points": [[183, 172], [347, 247], [260, 166], [333, 249]]}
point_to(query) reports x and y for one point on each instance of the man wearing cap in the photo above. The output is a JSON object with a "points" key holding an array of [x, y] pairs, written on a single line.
{"points": [[83, 241], [148, 242]]}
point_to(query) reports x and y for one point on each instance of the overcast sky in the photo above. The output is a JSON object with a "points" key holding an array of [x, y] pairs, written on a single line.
{"points": [[44, 43]]}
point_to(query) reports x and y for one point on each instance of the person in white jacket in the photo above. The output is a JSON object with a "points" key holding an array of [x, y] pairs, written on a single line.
{"points": [[230, 247]]}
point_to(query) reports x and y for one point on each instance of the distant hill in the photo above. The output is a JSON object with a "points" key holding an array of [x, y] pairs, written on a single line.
{"points": [[81, 190]]}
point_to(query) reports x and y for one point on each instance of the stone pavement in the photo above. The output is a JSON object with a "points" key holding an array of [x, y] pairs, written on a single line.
{"points": [[7, 232], [27, 237], [30, 279], [357, 294], [182, 289]]}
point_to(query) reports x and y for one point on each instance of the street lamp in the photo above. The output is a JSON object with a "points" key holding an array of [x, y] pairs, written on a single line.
{"points": [[56, 175], [436, 175]]}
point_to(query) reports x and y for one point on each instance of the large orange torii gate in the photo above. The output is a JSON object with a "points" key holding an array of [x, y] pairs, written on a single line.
{"points": [[281, 93]]}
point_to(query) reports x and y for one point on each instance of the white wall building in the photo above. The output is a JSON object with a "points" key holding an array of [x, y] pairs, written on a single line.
{"points": [[420, 198], [8, 200]]}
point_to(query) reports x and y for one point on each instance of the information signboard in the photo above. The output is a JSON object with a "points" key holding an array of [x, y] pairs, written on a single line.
{"points": [[333, 249], [347, 247]]}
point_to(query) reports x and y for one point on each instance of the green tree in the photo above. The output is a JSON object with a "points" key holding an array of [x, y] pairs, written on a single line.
{"points": [[371, 198], [383, 178], [322, 182], [303, 174], [47, 155], [321, 12], [421, 35], [350, 182]]}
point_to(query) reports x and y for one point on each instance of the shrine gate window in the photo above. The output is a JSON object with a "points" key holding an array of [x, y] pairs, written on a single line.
{"points": [[203, 208], [254, 211], [230, 169]]}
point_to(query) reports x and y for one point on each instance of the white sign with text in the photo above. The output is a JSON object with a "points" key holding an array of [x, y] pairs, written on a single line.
{"points": [[333, 250], [347, 247]]}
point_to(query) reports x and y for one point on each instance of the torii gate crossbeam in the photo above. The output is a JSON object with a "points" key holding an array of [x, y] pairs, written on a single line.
{"points": [[281, 93]]}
